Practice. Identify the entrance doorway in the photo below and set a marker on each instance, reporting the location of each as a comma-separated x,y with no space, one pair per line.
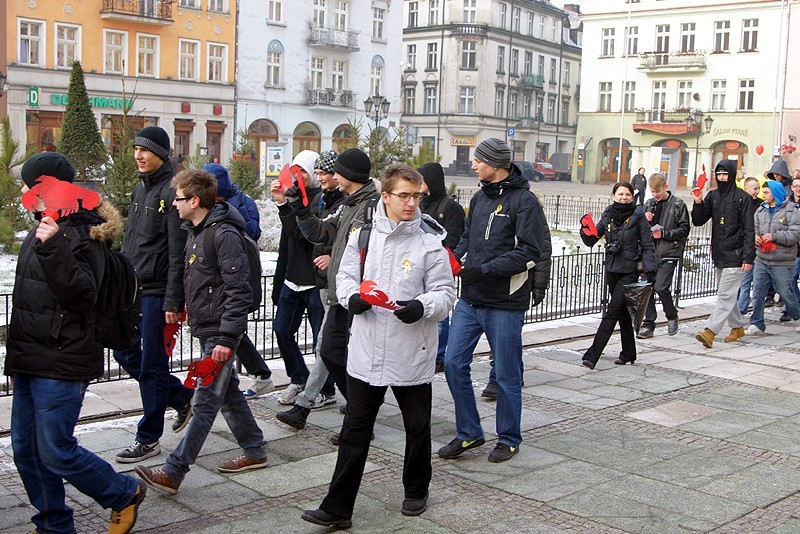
462,160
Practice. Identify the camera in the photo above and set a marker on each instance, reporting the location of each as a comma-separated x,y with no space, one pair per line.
613,248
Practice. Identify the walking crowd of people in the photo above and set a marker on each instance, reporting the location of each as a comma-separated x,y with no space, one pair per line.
375,270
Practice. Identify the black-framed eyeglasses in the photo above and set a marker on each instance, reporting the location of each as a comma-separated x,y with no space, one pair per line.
405,197
181,199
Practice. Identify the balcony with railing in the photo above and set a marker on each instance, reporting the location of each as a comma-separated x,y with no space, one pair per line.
478,30
157,12
529,123
668,121
334,38
329,97
673,61
532,82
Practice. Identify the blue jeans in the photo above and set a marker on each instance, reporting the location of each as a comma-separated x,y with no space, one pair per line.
780,276
744,291
222,394
288,318
43,417
148,363
503,329
444,332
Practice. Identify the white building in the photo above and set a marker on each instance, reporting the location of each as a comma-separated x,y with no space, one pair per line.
650,64
305,68
475,70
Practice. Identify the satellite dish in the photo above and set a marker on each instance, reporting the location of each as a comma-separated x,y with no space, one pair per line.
696,97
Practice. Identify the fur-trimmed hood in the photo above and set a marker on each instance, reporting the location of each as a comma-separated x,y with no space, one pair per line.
112,225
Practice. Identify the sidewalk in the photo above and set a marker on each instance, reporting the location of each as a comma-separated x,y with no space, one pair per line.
686,440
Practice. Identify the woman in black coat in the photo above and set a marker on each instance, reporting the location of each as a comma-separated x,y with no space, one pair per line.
629,241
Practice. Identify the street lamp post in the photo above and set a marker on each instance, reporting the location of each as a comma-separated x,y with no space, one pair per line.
694,121
538,119
380,106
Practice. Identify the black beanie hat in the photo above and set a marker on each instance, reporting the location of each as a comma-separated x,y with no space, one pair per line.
354,165
47,164
155,140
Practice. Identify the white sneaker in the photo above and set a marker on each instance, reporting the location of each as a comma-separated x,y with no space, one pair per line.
260,386
290,394
753,330
323,400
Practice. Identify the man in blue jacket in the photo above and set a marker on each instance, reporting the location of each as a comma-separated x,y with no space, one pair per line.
502,240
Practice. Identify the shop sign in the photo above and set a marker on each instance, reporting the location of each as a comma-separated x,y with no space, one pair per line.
462,141
33,97
61,99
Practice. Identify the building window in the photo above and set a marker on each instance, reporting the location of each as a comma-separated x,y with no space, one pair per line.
632,41
194,4
189,52
512,106
470,11
749,35
564,112
662,40
499,98
413,14
554,28
515,20
275,10
722,36
466,102
539,108
526,105
433,56
515,62
468,53
217,62
340,16
604,103
147,55
541,26
317,72
503,10
540,66
501,60
218,6
377,22
430,100
530,23
567,68
607,48
31,35
687,36
718,90
433,12
551,110
274,58
659,97
747,90
68,45
116,44
553,71
376,75
411,57
319,13
410,96
684,94
630,96
338,75
528,67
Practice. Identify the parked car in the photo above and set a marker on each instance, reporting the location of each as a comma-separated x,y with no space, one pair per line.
542,171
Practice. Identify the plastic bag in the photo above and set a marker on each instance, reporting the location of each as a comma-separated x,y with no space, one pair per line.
637,295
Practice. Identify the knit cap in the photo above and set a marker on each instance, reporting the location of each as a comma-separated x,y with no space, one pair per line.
494,152
47,164
155,140
354,165
326,160
223,179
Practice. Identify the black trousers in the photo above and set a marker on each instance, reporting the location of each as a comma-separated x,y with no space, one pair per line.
333,345
363,404
663,288
616,312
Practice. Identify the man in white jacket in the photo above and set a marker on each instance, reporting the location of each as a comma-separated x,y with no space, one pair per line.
407,261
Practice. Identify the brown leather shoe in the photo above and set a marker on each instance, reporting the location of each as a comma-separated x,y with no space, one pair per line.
122,521
706,337
158,478
241,463
735,334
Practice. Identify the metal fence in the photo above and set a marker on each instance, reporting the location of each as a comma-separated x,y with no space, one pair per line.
577,287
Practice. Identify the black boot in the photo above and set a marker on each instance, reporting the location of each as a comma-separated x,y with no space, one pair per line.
296,417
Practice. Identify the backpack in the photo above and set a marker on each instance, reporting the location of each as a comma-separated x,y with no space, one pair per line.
253,261
365,231
118,308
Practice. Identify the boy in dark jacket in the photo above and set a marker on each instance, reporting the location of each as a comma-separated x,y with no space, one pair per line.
219,297
53,354
732,247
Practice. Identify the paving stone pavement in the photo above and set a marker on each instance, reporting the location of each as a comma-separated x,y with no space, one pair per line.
686,440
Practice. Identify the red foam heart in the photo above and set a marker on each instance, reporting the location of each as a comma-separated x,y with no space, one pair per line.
369,292
171,337
202,372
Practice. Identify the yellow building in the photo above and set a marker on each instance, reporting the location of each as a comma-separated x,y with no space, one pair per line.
177,58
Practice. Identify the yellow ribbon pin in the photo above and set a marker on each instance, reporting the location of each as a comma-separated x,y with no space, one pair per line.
499,208
406,265
192,258
162,207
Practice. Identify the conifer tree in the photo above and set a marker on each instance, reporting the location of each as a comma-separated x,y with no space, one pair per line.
80,141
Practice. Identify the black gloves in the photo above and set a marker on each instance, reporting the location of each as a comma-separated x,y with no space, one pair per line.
357,305
411,312
538,295
292,194
471,275
650,278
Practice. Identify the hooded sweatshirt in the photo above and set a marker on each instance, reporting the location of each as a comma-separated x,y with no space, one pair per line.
782,221
780,171
441,207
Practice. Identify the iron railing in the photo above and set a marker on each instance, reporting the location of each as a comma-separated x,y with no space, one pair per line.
147,9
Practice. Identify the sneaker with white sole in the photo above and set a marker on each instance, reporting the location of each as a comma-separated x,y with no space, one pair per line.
753,330
291,393
260,386
242,463
323,400
138,452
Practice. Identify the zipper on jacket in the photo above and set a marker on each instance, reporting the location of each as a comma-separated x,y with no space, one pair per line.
497,213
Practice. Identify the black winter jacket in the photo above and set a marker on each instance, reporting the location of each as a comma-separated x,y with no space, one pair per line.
675,223
504,235
218,295
446,210
731,214
327,203
154,241
299,251
52,330
635,239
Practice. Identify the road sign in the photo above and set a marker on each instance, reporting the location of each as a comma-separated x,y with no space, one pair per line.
511,132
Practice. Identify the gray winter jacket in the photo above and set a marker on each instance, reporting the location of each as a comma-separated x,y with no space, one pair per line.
784,225
407,261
